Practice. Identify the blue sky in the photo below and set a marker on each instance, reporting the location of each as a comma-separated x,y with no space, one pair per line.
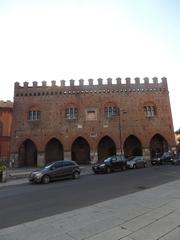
46,40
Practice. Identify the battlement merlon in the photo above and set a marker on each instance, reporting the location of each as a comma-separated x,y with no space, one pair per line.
137,84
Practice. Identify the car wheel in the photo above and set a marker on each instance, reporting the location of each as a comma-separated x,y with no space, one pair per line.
45,179
108,170
76,175
134,166
123,168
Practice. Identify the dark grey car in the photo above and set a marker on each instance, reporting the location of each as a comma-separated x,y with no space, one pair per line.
56,170
110,164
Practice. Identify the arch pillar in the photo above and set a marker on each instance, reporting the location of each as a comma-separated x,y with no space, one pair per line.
94,156
41,159
146,154
67,155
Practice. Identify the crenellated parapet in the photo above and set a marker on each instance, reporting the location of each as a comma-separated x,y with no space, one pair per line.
6,105
128,85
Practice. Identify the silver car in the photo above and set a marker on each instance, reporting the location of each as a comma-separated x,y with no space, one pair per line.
136,162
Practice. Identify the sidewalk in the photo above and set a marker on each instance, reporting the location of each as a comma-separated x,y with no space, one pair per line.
152,214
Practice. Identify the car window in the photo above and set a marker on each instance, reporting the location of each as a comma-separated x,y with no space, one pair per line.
119,158
49,165
58,164
68,163
114,159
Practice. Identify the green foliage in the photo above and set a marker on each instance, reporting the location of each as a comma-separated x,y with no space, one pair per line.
2,167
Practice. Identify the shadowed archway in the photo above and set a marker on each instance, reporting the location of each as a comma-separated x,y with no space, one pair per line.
80,151
132,146
106,148
54,151
158,145
27,154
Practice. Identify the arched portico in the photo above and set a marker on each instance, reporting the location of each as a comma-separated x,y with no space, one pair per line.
54,151
132,146
27,154
106,148
158,145
80,151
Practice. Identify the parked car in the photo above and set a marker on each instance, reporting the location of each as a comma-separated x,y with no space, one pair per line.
56,170
136,162
110,164
165,158
176,160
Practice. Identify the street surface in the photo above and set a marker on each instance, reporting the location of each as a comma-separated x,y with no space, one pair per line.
27,202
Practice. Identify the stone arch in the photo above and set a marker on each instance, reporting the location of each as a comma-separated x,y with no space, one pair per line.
27,154
80,151
132,146
54,151
158,145
106,148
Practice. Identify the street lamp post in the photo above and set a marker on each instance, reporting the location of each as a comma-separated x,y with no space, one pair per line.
119,111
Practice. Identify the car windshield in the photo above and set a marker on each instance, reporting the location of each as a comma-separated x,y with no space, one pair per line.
106,160
49,165
166,154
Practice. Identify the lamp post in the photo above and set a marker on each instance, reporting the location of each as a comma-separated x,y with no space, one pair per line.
119,111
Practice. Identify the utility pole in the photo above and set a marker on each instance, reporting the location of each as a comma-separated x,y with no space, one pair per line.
119,111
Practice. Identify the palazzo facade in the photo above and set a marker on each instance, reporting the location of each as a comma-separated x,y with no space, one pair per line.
88,122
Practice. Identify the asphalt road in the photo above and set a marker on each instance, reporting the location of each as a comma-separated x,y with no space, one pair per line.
26,202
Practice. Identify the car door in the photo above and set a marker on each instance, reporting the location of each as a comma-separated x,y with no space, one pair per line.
68,168
57,170
139,162
114,163
119,162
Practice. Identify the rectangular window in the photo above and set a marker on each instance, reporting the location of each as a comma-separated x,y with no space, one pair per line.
91,114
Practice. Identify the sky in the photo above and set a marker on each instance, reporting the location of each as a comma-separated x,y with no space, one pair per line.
74,39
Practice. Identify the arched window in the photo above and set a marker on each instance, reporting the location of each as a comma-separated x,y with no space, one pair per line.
34,114
110,111
71,112
149,111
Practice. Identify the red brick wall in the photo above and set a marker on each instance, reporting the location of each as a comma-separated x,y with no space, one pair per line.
51,101
5,128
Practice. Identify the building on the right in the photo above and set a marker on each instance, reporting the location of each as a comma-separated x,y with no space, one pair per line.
177,137
89,122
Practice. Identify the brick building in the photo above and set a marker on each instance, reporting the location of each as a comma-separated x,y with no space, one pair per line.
177,137
89,122
6,109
